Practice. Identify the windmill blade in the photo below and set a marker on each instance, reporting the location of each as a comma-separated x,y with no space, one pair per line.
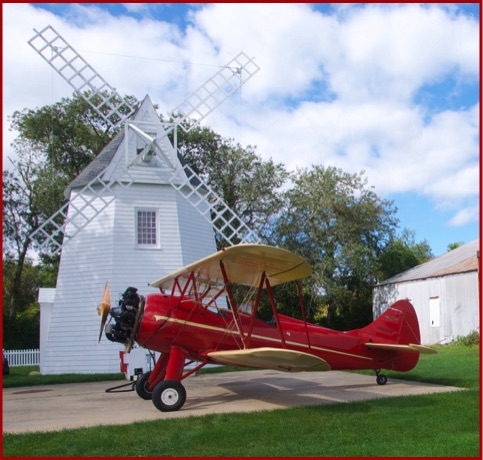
215,90
224,220
91,200
84,206
85,81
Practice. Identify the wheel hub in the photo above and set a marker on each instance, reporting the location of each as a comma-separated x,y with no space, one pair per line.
169,396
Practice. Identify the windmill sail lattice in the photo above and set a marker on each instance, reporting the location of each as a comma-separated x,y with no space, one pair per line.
75,70
92,199
215,90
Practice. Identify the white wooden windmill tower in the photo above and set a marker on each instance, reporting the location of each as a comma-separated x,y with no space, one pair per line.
134,214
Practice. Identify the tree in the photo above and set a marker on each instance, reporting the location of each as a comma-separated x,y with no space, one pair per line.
53,145
403,253
340,227
20,218
69,133
455,245
249,185
22,331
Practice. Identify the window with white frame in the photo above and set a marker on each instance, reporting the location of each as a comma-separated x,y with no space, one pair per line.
147,228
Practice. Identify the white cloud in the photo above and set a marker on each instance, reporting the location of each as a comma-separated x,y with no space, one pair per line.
338,90
465,216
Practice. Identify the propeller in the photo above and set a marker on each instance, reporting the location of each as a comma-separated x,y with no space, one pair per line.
104,308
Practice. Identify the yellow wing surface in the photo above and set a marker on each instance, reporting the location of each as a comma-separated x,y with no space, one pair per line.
271,358
397,347
244,264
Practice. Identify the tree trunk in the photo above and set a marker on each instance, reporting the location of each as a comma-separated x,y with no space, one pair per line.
17,280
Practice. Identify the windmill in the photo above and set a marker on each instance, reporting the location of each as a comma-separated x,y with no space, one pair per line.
137,210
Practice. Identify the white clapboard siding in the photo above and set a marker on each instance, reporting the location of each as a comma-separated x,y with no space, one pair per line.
106,250
458,297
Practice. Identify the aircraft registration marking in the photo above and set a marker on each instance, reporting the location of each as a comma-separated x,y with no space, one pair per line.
270,339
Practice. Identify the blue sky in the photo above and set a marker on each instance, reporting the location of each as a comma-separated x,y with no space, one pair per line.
391,89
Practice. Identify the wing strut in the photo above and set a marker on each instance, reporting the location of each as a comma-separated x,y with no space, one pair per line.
275,313
232,302
255,309
302,309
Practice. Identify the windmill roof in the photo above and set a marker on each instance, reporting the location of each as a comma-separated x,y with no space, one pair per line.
460,260
98,164
105,157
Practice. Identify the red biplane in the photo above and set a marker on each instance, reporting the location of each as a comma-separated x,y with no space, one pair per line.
195,318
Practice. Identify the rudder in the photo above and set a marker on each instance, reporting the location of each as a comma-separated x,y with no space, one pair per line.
396,326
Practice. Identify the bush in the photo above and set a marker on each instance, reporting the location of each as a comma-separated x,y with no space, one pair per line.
473,338
22,332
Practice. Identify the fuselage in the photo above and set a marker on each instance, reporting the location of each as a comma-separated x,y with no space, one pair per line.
169,321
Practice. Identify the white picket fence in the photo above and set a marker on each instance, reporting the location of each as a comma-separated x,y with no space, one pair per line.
22,357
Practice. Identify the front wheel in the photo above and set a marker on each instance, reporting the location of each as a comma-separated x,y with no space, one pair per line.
142,387
169,396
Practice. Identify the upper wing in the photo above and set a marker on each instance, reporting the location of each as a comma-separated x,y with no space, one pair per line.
397,347
271,358
244,264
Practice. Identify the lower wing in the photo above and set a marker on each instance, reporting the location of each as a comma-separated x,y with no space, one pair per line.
270,358
397,347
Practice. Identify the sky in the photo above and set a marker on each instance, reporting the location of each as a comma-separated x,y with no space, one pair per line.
388,89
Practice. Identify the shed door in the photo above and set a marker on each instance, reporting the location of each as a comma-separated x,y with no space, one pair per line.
434,312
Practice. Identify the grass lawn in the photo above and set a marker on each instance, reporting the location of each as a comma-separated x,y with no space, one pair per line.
437,425
19,377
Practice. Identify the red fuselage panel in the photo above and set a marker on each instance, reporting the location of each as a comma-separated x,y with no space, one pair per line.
169,320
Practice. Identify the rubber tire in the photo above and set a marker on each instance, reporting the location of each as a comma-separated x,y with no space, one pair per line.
381,379
169,396
142,387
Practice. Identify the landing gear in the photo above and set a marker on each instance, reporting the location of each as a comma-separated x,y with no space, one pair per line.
381,379
169,396
142,387
162,385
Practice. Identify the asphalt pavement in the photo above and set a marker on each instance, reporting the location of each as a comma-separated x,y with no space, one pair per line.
59,407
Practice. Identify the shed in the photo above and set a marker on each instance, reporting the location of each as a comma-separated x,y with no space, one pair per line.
444,292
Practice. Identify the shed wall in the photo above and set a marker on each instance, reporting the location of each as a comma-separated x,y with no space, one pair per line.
458,304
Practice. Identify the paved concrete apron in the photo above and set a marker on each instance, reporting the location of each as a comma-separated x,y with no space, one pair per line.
58,407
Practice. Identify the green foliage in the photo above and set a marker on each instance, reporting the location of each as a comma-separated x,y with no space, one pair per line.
22,331
455,245
69,133
470,340
403,253
54,144
340,227
249,185
33,277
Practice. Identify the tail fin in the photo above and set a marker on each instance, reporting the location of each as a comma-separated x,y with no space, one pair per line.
394,337
398,324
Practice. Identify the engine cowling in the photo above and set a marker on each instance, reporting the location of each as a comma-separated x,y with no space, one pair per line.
123,316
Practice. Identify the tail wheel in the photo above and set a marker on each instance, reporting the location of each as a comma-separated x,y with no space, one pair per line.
169,396
381,379
142,387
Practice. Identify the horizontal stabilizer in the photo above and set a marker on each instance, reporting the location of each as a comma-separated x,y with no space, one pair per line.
271,358
399,347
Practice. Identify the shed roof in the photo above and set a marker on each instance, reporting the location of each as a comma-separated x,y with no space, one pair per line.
460,260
